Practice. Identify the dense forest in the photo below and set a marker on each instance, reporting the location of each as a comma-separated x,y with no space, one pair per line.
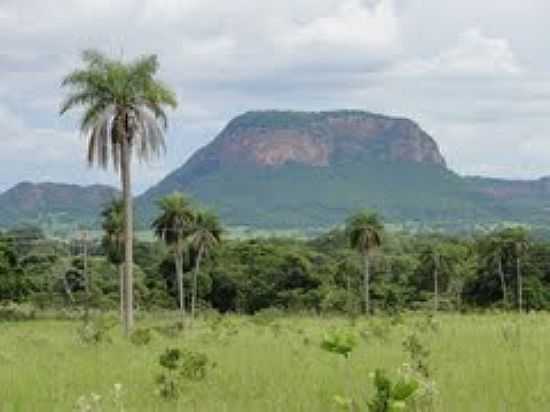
505,269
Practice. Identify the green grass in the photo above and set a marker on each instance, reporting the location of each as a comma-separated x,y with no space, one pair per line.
480,363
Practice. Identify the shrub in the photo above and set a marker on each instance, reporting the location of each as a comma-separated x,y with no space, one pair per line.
141,336
180,366
392,397
96,330
13,312
418,354
339,342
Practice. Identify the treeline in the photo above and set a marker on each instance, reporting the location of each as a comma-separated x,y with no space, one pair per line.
506,269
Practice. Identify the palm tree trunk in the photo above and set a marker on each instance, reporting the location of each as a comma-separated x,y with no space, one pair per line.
366,283
125,168
179,276
121,280
502,282
195,275
436,289
348,295
520,285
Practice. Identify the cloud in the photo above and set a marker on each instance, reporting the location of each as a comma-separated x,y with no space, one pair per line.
474,55
472,73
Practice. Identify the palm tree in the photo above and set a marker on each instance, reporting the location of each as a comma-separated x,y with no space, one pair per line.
123,118
205,235
172,226
520,247
495,252
516,243
431,258
113,240
364,232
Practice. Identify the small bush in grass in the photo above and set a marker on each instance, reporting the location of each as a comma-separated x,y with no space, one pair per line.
340,342
180,366
172,330
16,312
390,396
97,403
418,354
96,330
141,337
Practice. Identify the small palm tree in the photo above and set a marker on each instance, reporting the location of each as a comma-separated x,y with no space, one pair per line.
205,235
113,240
123,118
365,234
172,226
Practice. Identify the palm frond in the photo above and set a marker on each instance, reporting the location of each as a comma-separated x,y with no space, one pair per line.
108,90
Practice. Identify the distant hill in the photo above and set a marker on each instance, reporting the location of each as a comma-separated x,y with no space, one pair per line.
53,203
296,169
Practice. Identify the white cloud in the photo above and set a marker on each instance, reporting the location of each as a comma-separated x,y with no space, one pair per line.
482,92
474,55
352,26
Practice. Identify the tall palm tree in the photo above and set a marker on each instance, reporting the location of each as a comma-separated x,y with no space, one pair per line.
516,242
520,247
431,258
113,240
172,226
205,235
439,260
494,251
365,235
123,118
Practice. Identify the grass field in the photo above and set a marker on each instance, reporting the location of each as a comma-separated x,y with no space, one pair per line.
496,362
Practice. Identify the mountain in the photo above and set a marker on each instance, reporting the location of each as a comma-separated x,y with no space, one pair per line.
53,203
278,169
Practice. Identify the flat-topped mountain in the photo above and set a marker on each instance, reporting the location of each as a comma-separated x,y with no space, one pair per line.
272,138
311,169
277,169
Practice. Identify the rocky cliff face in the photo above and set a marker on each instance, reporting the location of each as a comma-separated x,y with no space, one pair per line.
273,139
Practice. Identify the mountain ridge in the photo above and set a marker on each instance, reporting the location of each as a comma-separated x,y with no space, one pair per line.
310,169
373,156
28,202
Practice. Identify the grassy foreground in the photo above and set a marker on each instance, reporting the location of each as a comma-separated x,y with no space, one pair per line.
478,362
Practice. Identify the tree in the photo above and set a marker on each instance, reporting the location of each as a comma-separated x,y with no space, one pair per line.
365,235
494,252
113,240
123,118
446,260
172,226
516,243
433,259
205,235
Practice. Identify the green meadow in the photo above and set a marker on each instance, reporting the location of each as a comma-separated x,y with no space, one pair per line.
489,362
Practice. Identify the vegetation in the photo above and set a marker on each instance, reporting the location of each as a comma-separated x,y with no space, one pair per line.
173,226
123,118
323,275
365,234
272,318
485,362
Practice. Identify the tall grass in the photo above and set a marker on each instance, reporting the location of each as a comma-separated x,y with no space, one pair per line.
479,363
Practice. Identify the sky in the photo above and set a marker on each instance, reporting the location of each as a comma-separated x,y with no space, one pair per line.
475,74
